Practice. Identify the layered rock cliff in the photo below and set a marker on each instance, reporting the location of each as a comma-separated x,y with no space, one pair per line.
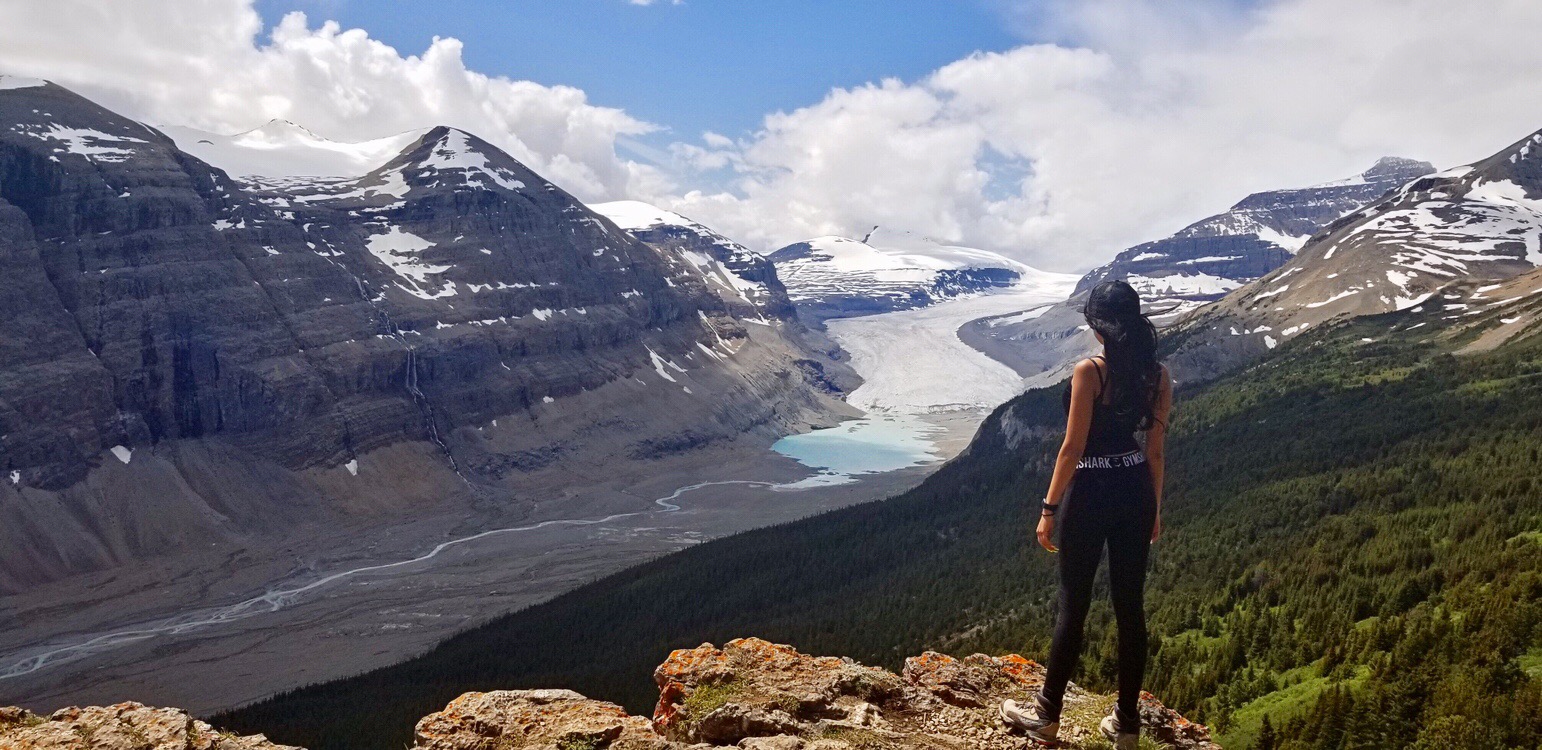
191,357
749,694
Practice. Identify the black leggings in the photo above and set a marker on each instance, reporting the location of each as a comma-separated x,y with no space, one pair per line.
1116,506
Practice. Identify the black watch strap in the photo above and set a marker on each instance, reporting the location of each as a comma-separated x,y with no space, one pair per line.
1048,509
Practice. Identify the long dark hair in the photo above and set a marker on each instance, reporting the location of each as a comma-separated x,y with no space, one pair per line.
1129,345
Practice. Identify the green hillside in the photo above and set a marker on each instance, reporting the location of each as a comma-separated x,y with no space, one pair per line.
1353,553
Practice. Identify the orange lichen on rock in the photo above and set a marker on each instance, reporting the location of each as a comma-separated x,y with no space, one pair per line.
1025,671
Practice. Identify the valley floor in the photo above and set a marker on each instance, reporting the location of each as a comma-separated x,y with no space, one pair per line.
163,635
248,623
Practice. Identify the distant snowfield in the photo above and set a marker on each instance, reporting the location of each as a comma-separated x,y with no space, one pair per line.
914,362
284,149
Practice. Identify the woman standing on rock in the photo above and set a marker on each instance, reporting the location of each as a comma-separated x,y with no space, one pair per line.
1115,500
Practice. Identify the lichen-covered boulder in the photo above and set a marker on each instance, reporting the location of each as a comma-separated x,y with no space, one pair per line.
754,688
970,682
125,726
537,720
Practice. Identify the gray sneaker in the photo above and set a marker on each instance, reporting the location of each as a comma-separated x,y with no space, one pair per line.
1122,740
1031,720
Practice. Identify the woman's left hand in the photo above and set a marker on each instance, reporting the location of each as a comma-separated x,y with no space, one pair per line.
1046,531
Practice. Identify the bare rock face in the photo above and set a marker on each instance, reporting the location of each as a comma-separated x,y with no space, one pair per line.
757,695
126,726
747,278
157,308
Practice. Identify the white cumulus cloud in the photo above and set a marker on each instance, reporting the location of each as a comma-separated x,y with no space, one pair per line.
1142,116
1149,115
210,64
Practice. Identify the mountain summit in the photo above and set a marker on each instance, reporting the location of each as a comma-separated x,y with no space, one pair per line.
281,148
739,271
1197,265
1478,221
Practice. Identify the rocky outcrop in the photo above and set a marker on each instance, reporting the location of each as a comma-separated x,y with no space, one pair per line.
757,695
749,694
125,726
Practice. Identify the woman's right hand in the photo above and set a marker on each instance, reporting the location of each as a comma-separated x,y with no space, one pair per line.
1046,531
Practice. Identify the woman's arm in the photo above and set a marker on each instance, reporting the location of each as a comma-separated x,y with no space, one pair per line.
1084,392
1156,445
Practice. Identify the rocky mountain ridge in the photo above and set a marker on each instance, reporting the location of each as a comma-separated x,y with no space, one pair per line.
743,274
1191,268
195,357
746,280
749,694
1481,221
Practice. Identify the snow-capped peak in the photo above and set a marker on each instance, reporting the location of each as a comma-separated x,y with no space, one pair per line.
277,130
923,251
1394,168
280,148
634,215
19,82
455,151
637,216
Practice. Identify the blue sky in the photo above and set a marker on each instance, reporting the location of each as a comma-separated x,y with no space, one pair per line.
718,65
1090,125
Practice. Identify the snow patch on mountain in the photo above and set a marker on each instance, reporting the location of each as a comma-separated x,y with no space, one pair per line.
1180,284
454,152
1292,243
630,215
283,149
402,253
19,82
1196,266
92,144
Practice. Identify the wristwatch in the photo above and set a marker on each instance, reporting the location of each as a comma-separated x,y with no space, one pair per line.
1047,508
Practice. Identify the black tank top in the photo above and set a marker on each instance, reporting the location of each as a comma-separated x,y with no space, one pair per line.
1113,429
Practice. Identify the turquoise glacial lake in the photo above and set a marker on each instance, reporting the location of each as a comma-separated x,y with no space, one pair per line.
874,444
